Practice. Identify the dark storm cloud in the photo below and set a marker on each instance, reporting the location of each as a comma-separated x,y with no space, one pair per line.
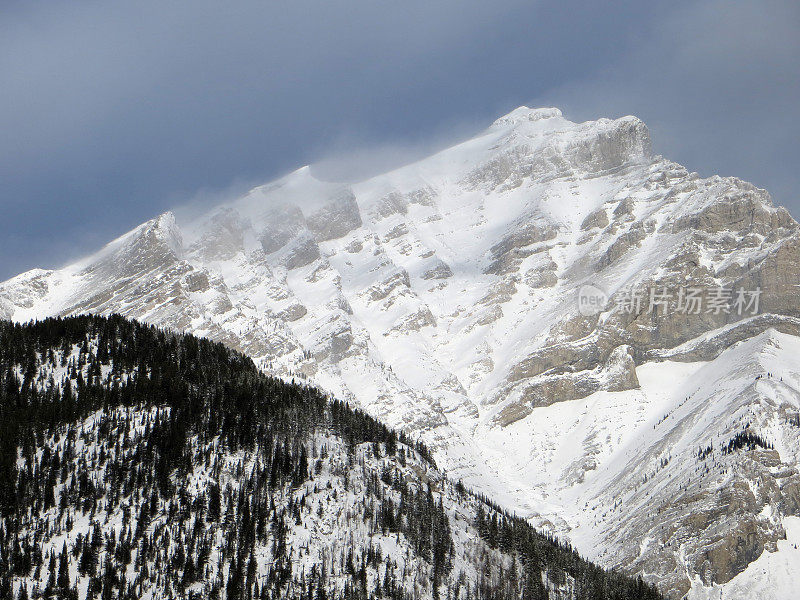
112,112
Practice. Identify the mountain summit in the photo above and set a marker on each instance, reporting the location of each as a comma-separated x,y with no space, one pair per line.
520,302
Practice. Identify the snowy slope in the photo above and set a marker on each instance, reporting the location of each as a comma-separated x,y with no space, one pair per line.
167,488
442,298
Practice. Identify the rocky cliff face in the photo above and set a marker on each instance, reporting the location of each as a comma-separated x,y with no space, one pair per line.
444,299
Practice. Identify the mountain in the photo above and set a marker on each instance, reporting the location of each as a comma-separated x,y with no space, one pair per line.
575,327
142,464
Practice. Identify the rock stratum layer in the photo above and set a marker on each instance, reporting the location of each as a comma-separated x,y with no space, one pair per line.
443,299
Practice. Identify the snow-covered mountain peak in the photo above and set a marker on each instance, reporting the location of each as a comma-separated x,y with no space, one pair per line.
547,128
524,114
442,297
165,229
160,232
155,243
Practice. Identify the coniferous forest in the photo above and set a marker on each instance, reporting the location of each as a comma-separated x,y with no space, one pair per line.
138,463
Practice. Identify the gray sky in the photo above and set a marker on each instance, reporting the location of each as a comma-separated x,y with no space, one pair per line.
112,112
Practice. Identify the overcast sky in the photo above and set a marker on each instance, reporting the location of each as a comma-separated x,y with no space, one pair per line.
112,112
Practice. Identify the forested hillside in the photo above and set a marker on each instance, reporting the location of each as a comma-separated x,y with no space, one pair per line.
135,463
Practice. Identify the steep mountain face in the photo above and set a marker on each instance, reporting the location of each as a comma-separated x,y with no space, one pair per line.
444,298
139,464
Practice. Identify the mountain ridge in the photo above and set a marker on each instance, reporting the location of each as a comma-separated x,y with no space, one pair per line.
441,297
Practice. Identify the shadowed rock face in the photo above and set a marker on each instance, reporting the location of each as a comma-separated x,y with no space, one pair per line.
302,251
746,210
598,219
281,225
439,270
720,530
442,298
223,238
702,250
508,253
392,204
625,141
600,147
335,219
617,374
156,245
